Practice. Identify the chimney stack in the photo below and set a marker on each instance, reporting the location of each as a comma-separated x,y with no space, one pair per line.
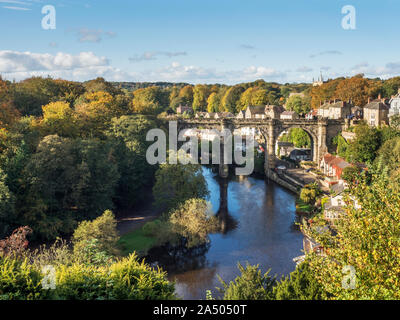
380,97
369,100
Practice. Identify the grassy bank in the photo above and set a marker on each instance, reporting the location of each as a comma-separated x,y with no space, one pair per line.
136,241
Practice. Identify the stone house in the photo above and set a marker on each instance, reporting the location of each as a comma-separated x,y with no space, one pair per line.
241,114
255,112
273,111
357,113
300,155
333,166
312,115
394,105
209,115
289,115
182,109
376,112
200,114
335,109
220,115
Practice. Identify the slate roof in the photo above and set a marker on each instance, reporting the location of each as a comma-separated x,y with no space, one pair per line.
256,109
377,105
288,113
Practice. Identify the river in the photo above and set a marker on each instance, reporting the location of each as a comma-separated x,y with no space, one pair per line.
260,228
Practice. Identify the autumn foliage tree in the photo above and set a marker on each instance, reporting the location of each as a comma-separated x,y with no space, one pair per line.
367,239
8,113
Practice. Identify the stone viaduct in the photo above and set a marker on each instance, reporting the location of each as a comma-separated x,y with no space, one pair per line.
321,132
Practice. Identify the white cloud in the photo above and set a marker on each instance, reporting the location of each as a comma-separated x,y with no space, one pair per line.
95,36
327,52
14,61
391,69
152,55
16,8
304,69
83,66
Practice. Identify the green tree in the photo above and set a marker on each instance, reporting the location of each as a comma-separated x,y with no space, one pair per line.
33,93
103,230
364,147
193,220
230,101
59,118
7,200
200,96
100,84
301,105
388,158
176,183
301,284
69,180
128,134
367,239
151,100
250,285
213,102
186,93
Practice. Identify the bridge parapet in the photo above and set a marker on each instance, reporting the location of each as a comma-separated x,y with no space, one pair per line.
322,131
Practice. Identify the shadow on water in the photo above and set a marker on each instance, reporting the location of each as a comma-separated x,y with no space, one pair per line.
258,226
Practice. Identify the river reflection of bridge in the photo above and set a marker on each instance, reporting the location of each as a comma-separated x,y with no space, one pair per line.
228,223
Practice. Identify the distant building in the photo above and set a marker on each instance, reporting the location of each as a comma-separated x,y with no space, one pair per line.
182,109
394,105
255,112
335,109
334,207
319,81
313,114
300,155
241,114
200,114
376,112
220,115
273,111
284,148
209,115
357,113
333,166
289,115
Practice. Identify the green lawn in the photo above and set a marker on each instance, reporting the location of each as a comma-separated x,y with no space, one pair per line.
136,241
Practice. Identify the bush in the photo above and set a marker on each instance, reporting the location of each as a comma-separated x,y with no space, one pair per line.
127,279
20,281
310,193
300,285
250,285
103,229
152,228
176,183
193,220
16,244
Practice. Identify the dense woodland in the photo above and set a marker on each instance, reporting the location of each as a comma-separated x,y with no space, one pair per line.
71,152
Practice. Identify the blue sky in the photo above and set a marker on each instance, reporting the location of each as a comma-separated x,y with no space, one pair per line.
224,41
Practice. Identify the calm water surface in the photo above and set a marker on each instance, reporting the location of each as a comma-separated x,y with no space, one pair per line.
259,228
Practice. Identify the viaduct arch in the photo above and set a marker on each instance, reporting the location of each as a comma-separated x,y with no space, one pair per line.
321,131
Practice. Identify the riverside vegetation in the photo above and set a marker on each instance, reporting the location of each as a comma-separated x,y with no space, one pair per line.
73,153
